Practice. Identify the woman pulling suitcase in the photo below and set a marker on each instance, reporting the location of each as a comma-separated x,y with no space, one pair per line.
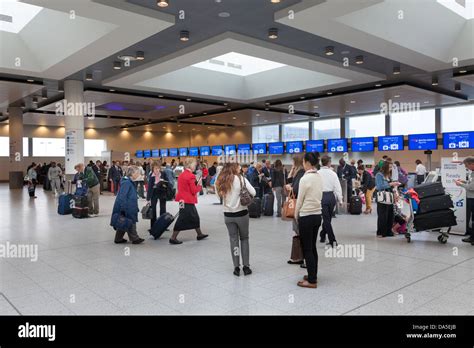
156,191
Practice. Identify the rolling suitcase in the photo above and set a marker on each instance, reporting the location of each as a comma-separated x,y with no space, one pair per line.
81,207
268,202
429,190
434,203
435,219
255,208
65,201
355,205
161,224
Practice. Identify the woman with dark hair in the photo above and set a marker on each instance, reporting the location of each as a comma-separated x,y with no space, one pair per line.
230,184
278,181
308,212
188,189
156,191
292,187
385,214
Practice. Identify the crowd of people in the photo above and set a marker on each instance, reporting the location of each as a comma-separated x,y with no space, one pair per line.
312,182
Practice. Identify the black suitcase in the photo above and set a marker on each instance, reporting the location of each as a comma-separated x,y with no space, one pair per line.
355,205
161,224
81,207
430,189
255,208
435,203
268,203
435,219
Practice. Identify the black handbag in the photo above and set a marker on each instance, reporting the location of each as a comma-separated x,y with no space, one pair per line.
146,212
245,197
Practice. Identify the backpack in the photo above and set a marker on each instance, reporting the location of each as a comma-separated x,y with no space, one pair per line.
402,176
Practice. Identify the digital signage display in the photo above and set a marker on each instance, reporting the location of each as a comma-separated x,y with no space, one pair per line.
260,148
173,152
294,147
315,145
275,148
391,143
164,153
365,144
183,151
458,140
229,149
337,145
139,154
422,141
193,151
151,153
216,150
244,148
205,151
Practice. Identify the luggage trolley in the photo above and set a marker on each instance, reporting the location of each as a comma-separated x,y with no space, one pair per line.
408,209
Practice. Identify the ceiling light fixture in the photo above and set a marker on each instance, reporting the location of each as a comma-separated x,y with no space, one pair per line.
160,96
89,77
188,99
111,90
162,3
316,107
359,60
140,55
302,97
117,65
234,118
275,1
463,71
434,81
273,33
353,101
396,70
44,94
378,85
30,80
396,96
329,50
184,35
329,93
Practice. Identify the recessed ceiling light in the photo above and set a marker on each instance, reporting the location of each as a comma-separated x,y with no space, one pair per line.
396,96
163,127
89,77
234,118
111,90
204,113
348,111
224,14
273,33
194,129
457,86
267,103
302,97
184,35
396,70
426,101
225,104
140,55
353,101
316,107
329,93
30,80
359,60
213,120
188,99
463,71
329,50
244,123
162,3
378,85
257,115
434,81
160,96
267,109
229,109
275,1
117,65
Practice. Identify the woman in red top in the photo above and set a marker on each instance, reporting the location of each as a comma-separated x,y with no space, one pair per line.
188,188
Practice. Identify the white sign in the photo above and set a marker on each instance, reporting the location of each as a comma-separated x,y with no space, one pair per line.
450,172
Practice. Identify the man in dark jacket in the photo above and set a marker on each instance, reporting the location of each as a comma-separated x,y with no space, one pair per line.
115,175
346,172
213,169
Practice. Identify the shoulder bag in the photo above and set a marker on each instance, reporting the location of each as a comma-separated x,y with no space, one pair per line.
288,210
245,197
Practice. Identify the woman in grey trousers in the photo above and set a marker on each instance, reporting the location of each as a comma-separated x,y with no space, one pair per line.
229,185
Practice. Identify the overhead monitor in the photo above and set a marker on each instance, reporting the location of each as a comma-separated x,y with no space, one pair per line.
391,143
365,144
315,145
183,151
337,145
260,148
193,151
164,153
173,152
458,140
205,151
146,153
244,148
293,147
216,150
423,141
276,148
139,154
229,149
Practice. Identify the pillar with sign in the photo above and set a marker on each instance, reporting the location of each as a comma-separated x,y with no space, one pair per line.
74,113
15,133
453,169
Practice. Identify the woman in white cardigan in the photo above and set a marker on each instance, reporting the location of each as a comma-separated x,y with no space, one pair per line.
229,185
308,214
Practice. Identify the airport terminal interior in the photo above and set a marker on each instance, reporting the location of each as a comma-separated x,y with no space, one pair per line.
142,89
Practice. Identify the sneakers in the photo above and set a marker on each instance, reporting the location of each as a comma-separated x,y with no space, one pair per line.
247,270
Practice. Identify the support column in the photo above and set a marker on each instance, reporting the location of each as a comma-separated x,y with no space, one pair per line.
74,112
15,133
388,131
438,121
343,127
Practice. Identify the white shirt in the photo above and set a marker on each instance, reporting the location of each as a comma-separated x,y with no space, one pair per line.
331,182
310,194
420,169
231,202
394,172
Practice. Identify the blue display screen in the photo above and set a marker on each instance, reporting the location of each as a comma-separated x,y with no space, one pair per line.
154,153
173,152
458,140
337,145
139,154
193,151
391,143
362,144
183,151
294,147
229,149
315,145
260,148
243,148
216,150
275,148
205,151
164,153
422,141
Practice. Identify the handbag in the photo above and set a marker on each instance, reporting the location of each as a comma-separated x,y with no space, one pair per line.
288,210
296,249
146,212
245,197
121,222
385,197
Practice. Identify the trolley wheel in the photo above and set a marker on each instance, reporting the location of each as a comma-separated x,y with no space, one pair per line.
442,239
408,237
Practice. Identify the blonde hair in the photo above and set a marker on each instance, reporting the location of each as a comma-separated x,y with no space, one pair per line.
188,162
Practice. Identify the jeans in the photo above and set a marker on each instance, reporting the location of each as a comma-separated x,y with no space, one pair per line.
279,198
93,194
238,228
328,203
308,228
384,219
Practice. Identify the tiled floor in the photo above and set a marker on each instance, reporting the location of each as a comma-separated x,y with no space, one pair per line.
81,271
